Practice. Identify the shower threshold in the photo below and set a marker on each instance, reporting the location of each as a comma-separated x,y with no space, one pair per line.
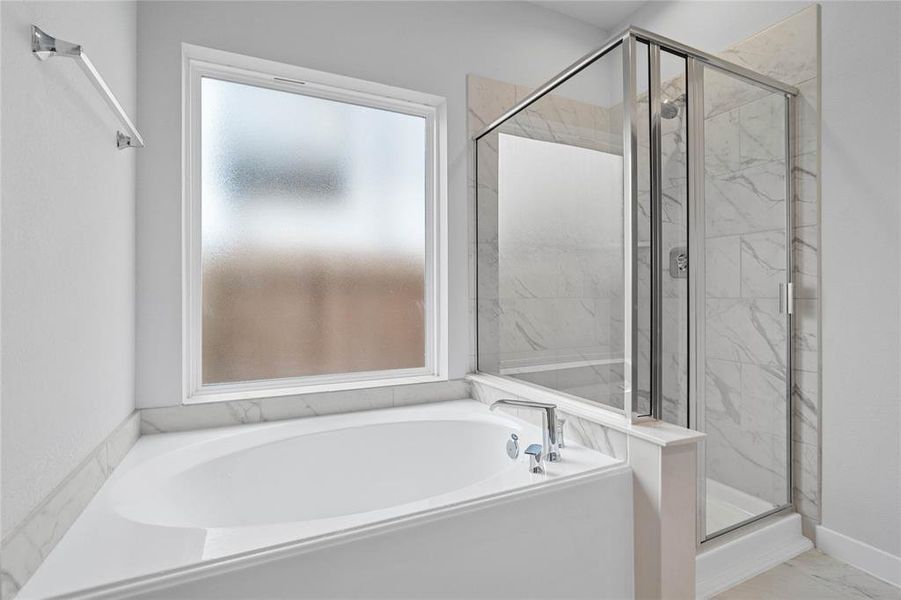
728,506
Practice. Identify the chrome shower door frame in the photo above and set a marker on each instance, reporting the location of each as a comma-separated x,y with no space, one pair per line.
696,62
697,273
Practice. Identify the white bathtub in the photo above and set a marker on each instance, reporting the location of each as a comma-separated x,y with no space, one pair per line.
410,502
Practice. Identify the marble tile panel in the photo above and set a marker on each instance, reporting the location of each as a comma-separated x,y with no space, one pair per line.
805,488
489,327
25,547
674,159
806,453
608,373
722,391
487,189
487,99
528,270
748,331
674,330
747,461
547,379
805,337
486,394
237,412
807,117
787,51
489,280
805,407
330,403
597,393
595,436
722,134
121,440
643,169
806,261
764,395
548,324
762,124
674,402
675,211
746,201
724,92
806,191
763,264
643,224
199,416
419,393
723,267
606,280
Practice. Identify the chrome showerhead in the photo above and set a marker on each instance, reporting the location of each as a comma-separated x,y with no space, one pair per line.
670,108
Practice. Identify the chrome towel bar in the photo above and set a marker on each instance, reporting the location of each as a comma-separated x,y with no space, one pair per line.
45,46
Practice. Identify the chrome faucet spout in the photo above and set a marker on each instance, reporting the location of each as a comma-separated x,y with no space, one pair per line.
550,432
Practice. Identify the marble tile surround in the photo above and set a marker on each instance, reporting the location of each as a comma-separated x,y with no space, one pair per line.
575,429
549,292
743,174
238,412
26,546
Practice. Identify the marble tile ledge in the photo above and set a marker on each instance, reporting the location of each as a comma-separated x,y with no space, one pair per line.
238,412
29,543
657,432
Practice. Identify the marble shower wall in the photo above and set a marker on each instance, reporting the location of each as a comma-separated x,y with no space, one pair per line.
746,338
745,239
550,285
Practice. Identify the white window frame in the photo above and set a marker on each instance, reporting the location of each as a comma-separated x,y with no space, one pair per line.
198,62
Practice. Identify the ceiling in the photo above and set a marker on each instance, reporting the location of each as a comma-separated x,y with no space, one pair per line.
604,14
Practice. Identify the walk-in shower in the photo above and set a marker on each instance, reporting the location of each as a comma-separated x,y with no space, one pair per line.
634,250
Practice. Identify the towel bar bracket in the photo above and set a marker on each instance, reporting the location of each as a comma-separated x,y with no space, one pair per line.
44,46
125,141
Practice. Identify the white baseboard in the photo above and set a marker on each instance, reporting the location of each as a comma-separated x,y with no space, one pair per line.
874,561
730,563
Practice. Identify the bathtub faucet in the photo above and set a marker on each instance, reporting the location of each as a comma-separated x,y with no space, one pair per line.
552,441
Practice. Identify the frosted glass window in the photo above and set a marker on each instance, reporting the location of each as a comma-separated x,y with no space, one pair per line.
313,235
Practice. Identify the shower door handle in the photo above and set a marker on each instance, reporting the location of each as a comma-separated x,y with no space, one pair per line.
786,298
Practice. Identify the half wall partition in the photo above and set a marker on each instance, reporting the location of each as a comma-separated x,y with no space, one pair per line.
633,250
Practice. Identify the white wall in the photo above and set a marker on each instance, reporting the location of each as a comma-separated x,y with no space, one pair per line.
861,272
67,246
426,46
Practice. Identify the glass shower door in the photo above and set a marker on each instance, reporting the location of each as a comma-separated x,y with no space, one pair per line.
743,303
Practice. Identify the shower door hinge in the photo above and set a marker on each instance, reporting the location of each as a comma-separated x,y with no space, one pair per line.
787,298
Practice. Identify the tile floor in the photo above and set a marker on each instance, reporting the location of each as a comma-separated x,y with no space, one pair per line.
813,575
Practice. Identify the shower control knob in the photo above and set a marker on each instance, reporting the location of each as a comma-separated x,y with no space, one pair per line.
678,263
